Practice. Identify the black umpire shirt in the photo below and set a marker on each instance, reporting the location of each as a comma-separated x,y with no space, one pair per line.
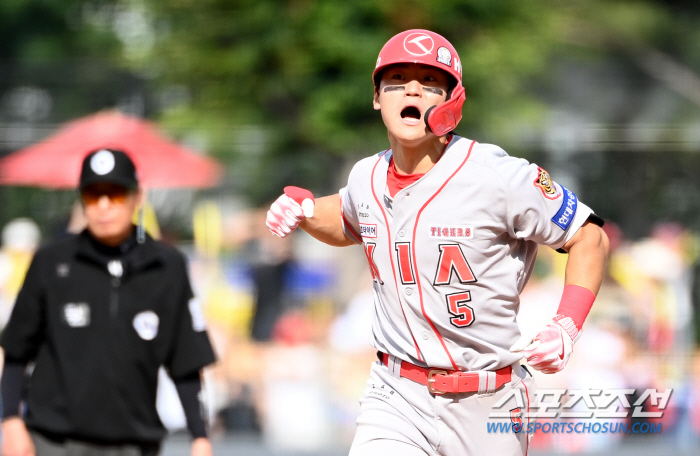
98,322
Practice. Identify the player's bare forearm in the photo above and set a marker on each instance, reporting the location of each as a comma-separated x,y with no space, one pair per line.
326,225
588,252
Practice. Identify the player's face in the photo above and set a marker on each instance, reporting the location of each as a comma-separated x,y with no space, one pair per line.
109,210
405,92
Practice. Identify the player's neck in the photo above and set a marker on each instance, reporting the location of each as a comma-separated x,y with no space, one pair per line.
417,158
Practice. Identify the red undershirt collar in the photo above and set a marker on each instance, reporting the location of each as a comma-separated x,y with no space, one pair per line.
395,182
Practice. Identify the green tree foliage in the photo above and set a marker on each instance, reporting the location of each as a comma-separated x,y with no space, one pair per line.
48,48
281,88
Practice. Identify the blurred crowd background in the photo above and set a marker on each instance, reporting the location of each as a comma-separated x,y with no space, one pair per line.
604,94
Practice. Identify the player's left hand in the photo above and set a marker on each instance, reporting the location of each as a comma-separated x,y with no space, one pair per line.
549,351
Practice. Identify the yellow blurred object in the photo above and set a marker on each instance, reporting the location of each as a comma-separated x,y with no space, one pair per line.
208,229
19,262
626,272
229,309
691,248
150,220
20,239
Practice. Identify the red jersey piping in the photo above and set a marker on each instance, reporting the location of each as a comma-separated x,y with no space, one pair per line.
391,254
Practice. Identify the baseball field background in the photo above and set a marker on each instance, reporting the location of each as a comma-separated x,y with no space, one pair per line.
603,94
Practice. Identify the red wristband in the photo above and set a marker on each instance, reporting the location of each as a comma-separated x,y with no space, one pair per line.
576,302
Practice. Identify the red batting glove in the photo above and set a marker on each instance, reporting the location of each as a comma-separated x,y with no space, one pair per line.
551,348
289,209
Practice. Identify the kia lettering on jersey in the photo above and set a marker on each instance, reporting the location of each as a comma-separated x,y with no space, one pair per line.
451,263
567,211
369,253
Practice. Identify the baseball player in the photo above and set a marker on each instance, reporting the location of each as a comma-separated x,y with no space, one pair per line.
450,228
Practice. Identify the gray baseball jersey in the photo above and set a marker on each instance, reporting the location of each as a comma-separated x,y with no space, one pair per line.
451,252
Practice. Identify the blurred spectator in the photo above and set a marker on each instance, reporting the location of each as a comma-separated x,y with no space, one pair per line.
270,260
295,409
657,272
351,331
20,238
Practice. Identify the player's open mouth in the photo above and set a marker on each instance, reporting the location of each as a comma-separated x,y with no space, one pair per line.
411,115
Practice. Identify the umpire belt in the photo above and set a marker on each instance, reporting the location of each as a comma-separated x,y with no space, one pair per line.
442,381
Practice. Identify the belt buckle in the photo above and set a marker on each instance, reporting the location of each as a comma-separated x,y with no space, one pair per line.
432,373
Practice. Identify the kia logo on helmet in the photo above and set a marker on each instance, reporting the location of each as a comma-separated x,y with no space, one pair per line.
418,44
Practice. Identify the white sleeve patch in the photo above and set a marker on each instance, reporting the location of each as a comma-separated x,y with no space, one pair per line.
199,323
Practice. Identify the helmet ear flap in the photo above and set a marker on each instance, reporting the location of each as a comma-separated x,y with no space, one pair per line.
443,118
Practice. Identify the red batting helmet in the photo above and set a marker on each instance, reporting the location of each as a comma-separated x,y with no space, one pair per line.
428,48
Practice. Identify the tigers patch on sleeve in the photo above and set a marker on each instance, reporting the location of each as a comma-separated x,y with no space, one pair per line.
546,185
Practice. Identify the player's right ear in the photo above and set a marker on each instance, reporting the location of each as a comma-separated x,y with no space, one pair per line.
376,104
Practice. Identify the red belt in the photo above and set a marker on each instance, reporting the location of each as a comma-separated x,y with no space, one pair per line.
441,381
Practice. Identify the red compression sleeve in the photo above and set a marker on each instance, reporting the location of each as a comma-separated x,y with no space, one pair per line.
576,302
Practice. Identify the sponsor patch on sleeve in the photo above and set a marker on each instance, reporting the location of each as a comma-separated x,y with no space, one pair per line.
368,230
567,211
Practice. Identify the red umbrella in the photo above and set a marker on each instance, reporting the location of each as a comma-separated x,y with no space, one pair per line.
160,162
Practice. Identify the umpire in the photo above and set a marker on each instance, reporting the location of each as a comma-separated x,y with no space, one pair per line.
99,313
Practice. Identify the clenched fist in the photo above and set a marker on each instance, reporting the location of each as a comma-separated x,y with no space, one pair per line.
289,209
551,348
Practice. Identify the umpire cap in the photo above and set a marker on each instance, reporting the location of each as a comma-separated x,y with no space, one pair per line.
108,166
